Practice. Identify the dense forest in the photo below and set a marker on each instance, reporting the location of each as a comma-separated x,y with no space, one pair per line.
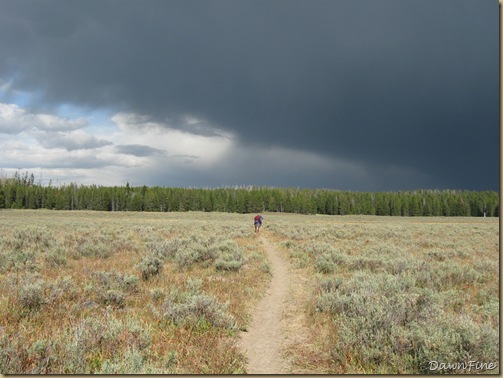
21,192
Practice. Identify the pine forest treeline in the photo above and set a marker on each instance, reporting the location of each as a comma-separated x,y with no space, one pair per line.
21,192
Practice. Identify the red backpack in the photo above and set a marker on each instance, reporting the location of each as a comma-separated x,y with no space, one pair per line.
257,218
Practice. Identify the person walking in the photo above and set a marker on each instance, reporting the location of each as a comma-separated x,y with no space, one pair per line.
257,221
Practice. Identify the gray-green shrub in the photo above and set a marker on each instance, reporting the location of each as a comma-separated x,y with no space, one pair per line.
198,309
94,248
231,257
328,260
18,260
150,266
193,308
56,257
114,298
386,321
196,253
115,281
131,362
31,296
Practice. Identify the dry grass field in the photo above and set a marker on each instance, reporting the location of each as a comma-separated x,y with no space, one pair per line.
105,292
393,295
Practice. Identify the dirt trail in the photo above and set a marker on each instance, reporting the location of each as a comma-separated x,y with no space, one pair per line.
264,342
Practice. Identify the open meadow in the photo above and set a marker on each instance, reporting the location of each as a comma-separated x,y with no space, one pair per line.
136,292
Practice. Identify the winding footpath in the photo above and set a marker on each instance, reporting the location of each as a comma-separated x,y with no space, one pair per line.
264,342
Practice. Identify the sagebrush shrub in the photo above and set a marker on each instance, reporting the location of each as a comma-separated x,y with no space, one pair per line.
228,264
373,264
11,360
199,308
99,337
121,245
157,294
42,356
56,257
324,264
63,287
40,238
166,249
265,267
31,296
131,362
328,260
18,260
116,281
192,308
300,259
231,256
288,244
385,320
150,266
114,298
93,248
330,284
195,253
454,338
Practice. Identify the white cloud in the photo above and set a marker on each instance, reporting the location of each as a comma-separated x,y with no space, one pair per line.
25,156
139,130
47,141
134,147
14,120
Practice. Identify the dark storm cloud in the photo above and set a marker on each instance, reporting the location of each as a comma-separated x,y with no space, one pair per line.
382,83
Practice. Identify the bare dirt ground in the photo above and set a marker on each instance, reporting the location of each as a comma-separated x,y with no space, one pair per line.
265,342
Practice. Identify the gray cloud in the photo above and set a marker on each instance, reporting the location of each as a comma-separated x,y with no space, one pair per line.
410,84
138,150
70,141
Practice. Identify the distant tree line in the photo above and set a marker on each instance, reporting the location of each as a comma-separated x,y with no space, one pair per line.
21,192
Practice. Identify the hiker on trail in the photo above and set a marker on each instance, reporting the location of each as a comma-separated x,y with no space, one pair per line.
257,221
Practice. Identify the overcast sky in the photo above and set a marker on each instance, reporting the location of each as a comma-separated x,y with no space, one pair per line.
364,95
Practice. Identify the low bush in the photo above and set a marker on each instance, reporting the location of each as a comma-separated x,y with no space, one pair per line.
385,320
300,259
92,341
31,296
191,308
196,253
131,362
56,257
166,249
24,260
288,244
231,256
94,248
150,266
328,260
114,298
63,287
157,294
198,310
115,281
